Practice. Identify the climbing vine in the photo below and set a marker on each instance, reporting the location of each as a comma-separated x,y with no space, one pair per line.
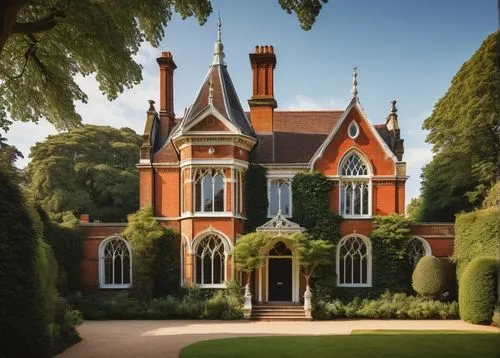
256,197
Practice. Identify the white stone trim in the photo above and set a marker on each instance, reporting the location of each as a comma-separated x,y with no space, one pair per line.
101,267
368,244
209,162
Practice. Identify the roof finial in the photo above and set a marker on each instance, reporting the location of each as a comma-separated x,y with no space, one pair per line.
393,106
218,47
354,90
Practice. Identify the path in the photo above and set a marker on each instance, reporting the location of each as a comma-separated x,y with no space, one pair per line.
166,338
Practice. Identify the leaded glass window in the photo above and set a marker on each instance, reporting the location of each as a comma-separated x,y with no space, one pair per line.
115,261
354,262
210,261
355,193
280,197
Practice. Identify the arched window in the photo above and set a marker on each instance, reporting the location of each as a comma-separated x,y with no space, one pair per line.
280,197
355,187
210,264
354,261
209,190
416,249
115,263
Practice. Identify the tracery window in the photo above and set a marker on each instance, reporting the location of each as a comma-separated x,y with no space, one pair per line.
209,190
115,263
416,249
355,187
280,197
354,261
210,261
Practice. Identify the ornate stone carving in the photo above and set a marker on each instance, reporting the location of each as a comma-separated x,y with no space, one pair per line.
280,224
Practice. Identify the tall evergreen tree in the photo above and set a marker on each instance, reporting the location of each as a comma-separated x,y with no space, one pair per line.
465,133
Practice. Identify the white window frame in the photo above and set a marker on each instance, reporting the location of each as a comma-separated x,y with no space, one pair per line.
102,267
425,244
288,181
368,245
225,246
198,174
343,179
237,191
355,124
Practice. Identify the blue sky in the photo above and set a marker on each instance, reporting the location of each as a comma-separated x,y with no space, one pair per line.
405,50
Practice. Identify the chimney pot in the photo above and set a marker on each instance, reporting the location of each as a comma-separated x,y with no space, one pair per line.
84,218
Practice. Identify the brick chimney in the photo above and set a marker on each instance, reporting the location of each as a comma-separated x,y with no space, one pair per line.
84,218
167,115
262,103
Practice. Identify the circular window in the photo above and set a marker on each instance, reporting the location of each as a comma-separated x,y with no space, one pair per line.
353,130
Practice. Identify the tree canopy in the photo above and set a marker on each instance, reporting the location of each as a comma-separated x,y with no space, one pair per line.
90,169
465,133
45,43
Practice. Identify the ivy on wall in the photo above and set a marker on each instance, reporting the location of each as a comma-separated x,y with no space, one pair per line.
256,197
311,207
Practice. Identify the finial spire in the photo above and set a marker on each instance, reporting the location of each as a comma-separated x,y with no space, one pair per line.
218,47
393,106
354,90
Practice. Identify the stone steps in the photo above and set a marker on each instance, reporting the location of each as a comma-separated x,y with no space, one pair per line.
278,313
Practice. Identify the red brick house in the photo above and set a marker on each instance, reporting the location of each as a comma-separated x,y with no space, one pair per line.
192,169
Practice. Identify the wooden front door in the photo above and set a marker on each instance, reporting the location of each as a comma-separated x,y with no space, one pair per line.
280,279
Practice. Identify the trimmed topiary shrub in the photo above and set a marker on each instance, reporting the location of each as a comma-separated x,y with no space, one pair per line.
429,277
478,290
476,234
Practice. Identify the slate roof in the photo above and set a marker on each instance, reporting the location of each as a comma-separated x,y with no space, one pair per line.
296,136
224,99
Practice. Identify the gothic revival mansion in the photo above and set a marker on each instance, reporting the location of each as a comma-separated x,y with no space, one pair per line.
192,171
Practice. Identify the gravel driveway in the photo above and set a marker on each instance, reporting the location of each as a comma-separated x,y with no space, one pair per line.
165,339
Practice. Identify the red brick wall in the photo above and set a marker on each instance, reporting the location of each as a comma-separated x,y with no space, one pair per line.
440,237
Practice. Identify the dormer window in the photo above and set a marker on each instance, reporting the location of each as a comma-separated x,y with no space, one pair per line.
280,197
355,187
209,190
353,130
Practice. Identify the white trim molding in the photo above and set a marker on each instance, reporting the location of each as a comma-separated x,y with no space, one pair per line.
102,266
366,255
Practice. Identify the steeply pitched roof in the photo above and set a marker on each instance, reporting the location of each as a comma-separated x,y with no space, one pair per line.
297,136
218,91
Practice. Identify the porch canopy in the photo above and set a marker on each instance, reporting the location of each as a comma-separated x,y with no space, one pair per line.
280,225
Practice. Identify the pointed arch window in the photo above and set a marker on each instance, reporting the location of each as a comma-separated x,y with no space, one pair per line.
416,249
209,190
280,197
115,263
210,263
354,262
355,187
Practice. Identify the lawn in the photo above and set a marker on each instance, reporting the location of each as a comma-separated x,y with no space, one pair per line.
365,344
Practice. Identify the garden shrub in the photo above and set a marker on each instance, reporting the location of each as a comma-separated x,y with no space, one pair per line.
478,290
23,328
386,306
429,277
476,234
255,196
154,253
63,328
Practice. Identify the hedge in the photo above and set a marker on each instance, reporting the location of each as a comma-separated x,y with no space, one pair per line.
478,290
476,234
429,277
23,328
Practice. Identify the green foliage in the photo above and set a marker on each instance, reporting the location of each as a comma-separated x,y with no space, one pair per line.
67,246
387,306
306,11
476,234
90,169
248,253
391,267
194,304
154,255
63,328
8,157
21,310
255,196
464,128
478,290
493,197
311,206
413,209
312,254
429,277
